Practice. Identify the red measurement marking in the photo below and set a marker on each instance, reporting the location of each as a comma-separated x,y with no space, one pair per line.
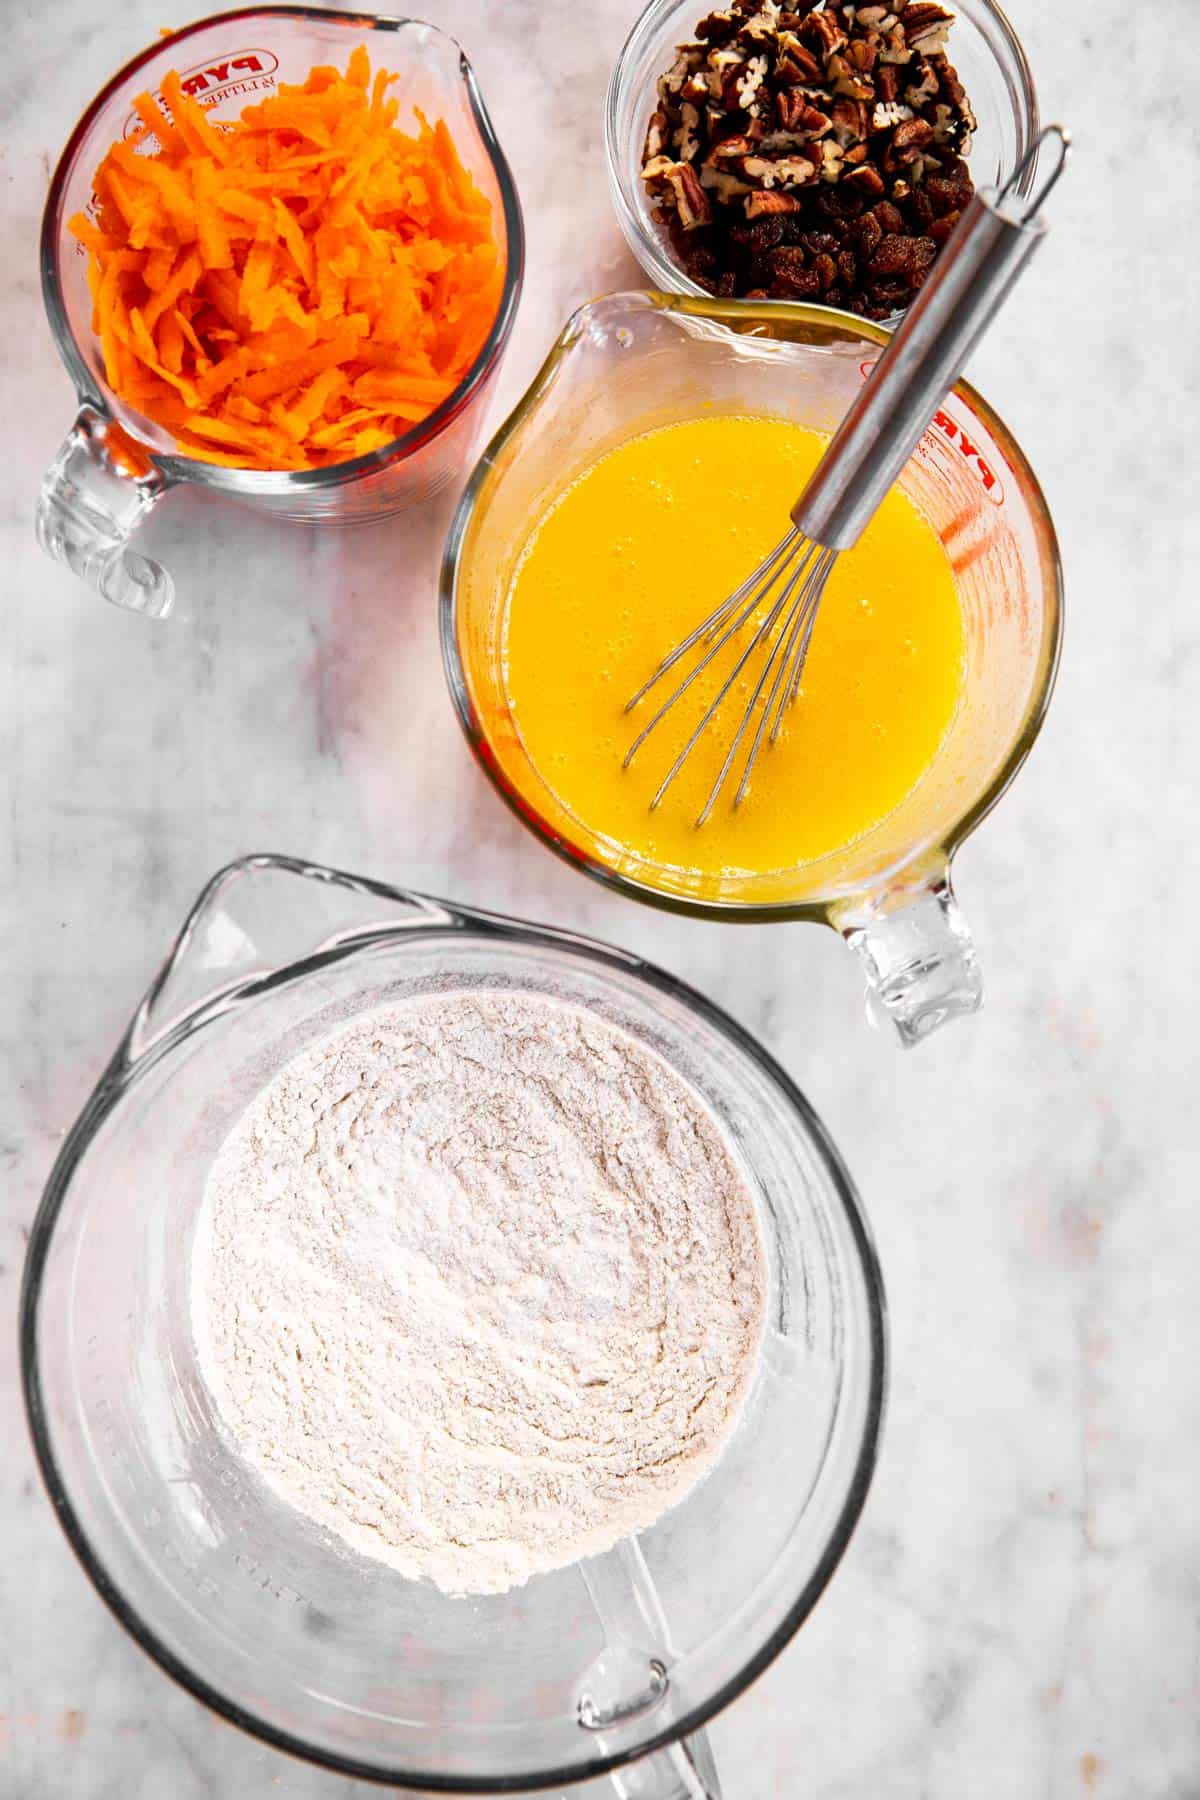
971,554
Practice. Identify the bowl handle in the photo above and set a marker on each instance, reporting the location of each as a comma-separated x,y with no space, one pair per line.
631,1677
683,1771
95,494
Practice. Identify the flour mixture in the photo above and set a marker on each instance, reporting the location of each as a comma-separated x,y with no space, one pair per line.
478,1285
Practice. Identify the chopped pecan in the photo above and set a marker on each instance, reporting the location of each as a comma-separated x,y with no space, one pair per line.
925,86
950,87
692,205
658,134
758,205
853,87
832,160
948,127
689,58
889,113
796,113
779,172
894,48
864,180
797,65
823,35
912,132
724,184
687,137
850,121
750,82
729,149
718,28
926,25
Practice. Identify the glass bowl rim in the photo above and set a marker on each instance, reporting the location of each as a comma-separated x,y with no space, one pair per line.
263,482
648,248
771,314
123,1072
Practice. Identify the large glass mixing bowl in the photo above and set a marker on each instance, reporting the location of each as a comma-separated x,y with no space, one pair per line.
275,1624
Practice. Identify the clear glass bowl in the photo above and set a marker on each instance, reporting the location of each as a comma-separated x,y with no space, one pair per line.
267,1618
115,463
983,47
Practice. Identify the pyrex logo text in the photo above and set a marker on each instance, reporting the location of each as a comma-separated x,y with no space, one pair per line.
247,72
954,433
208,76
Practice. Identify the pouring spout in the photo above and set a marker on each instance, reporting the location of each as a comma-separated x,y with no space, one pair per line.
257,919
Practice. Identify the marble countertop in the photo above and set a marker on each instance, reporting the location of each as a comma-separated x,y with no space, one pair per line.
1019,1613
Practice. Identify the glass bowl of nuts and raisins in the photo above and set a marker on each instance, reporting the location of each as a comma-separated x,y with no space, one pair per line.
811,149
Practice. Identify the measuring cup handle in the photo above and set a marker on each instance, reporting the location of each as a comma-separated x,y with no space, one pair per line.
95,494
917,950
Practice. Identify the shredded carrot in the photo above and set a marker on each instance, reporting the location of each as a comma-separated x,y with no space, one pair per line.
294,288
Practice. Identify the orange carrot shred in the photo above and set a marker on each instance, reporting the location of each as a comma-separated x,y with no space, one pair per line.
156,122
295,287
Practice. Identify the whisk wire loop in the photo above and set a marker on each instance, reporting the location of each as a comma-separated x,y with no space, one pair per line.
788,605
763,630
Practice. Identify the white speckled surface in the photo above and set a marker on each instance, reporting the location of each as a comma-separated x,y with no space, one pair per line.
1019,1614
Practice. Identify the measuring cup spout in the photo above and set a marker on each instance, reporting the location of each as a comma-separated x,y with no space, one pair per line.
917,951
97,491
261,917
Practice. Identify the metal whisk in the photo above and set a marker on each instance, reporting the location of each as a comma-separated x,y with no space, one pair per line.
778,602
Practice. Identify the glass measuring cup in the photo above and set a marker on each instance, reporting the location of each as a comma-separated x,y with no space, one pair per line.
116,464
617,1660
631,361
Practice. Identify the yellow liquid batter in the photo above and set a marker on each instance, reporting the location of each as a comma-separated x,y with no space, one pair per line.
631,557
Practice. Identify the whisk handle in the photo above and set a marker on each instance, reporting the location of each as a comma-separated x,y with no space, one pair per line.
994,240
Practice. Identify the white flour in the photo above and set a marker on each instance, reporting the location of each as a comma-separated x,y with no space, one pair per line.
478,1285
